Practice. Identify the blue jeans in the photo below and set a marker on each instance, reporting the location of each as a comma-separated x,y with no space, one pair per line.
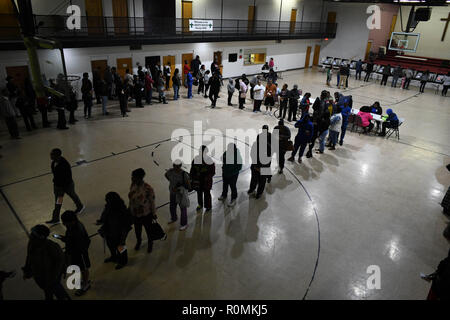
175,92
190,90
104,102
322,138
343,130
333,137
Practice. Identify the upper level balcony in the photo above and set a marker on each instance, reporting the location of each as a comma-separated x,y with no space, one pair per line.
112,31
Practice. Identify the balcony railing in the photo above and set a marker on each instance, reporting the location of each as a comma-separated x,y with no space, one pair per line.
116,30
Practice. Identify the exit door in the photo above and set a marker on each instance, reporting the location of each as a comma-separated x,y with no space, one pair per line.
122,65
170,59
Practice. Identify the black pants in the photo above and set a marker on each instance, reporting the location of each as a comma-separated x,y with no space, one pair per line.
406,84
213,97
230,95
87,105
204,198
59,191
293,106
167,82
231,182
138,98
146,222
444,90
366,78
358,72
61,119
29,120
120,258
98,96
257,180
45,122
422,85
252,92
385,125
281,157
123,104
12,126
257,105
201,86
384,80
241,102
313,140
206,90
283,109
56,290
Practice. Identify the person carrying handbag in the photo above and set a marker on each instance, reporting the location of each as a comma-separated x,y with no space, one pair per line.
179,185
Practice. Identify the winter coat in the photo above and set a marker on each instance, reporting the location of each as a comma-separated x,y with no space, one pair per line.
230,169
202,173
190,79
62,173
116,223
76,239
305,130
365,118
335,122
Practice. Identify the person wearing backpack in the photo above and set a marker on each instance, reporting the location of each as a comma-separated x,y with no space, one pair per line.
179,184
77,244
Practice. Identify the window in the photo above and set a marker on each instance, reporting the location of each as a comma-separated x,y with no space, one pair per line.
254,56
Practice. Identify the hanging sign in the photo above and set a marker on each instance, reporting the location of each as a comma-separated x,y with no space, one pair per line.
200,25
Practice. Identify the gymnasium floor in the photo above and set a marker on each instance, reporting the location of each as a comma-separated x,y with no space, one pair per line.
312,235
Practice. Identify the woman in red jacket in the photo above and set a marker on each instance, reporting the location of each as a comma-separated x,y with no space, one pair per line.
186,70
365,119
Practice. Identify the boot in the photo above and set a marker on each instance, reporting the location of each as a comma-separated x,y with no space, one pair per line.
55,215
138,244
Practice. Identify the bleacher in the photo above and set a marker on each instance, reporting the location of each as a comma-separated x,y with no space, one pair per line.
437,66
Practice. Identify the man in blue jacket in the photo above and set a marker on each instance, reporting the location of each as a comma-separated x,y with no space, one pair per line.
303,137
358,68
391,122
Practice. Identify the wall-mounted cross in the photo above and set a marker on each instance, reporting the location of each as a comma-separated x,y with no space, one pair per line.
446,26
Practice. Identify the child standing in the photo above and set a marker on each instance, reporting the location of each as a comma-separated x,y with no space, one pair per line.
231,89
335,128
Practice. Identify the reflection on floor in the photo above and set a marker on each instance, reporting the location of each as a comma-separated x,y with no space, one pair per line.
374,202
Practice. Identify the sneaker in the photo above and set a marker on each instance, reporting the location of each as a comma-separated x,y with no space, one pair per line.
250,191
80,210
199,208
331,148
319,152
222,198
299,160
110,259
291,159
257,196
171,221
341,143
52,222
280,171
182,228
137,246
208,210
120,266
232,203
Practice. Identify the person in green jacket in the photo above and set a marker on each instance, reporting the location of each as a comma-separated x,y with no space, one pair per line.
232,164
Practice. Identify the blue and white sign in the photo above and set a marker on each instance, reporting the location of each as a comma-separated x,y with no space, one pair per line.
200,25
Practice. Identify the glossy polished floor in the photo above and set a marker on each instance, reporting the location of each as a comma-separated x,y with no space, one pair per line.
312,235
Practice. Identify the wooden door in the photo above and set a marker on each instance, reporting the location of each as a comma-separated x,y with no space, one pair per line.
316,55
188,57
186,13
170,59
331,19
120,13
9,27
19,74
251,19
99,65
369,46
218,57
94,14
123,64
293,20
308,54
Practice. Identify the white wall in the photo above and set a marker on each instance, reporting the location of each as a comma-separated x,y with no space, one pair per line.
430,44
352,32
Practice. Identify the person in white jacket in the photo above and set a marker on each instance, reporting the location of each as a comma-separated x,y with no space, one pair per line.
335,128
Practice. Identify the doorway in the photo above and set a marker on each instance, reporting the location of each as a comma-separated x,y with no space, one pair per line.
99,65
123,64
186,13
94,16
19,74
150,64
316,55
170,59
120,13
251,19
218,56
186,57
308,54
293,20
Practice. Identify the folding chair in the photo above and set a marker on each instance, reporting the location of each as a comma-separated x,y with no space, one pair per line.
394,130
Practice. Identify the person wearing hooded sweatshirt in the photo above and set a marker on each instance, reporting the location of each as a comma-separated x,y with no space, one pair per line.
45,263
346,111
142,207
231,166
230,89
260,167
214,89
189,82
319,107
323,128
391,122
366,118
77,245
303,137
335,128
284,134
116,222
294,95
202,172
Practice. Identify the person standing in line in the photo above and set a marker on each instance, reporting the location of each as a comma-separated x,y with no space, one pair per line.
294,95
97,84
206,80
347,74
305,103
201,79
186,70
408,77
260,167
284,134
242,93
329,75
148,82
343,76
253,83
369,70
104,92
195,66
116,222
9,114
62,184
346,111
160,84
214,66
231,166
303,137
446,85
189,82
423,81
167,74
269,94
230,89
398,72
108,78
142,207
77,248
214,83
45,263
284,98
258,95
176,83
115,78
322,127
335,128
358,69
202,172
26,110
179,183
123,98
138,91
86,93
13,92
386,74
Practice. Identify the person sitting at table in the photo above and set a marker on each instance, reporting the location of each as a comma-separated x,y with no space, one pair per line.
376,109
272,76
365,120
366,109
391,122
265,70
